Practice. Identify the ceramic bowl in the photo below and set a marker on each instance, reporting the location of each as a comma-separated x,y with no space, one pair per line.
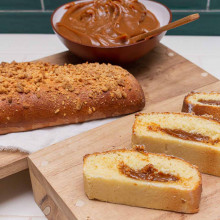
117,54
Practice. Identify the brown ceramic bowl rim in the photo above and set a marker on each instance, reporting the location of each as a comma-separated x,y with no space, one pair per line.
112,47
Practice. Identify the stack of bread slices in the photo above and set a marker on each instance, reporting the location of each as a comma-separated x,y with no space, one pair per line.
152,174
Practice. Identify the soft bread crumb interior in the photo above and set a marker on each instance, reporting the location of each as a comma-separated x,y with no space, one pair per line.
105,165
180,121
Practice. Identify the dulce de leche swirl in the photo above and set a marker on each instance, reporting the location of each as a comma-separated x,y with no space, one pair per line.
106,22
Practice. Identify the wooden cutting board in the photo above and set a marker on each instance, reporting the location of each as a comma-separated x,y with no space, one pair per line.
57,178
162,74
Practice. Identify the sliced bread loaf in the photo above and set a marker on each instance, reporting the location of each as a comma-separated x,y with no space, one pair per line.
137,178
193,138
203,104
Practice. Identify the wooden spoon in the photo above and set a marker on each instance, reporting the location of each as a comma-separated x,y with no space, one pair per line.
169,26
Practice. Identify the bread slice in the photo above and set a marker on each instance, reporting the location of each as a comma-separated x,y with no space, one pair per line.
193,138
203,104
137,178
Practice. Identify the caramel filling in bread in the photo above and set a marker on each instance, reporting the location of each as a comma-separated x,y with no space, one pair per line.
209,102
148,172
178,133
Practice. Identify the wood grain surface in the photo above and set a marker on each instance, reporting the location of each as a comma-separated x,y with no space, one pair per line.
12,162
57,178
162,74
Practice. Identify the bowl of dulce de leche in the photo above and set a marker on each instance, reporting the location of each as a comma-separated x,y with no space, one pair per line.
101,30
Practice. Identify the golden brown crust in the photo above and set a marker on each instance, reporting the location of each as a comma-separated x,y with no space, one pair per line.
68,94
212,111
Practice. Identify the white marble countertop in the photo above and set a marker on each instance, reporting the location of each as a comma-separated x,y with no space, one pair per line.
16,200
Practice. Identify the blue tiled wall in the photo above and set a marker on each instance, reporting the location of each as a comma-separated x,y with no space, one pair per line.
33,16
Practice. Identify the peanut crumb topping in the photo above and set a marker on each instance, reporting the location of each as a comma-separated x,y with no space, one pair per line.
38,77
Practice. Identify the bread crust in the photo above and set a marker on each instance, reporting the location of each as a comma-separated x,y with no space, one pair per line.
46,108
165,198
208,110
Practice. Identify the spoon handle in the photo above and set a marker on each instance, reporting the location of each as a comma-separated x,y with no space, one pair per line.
169,26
